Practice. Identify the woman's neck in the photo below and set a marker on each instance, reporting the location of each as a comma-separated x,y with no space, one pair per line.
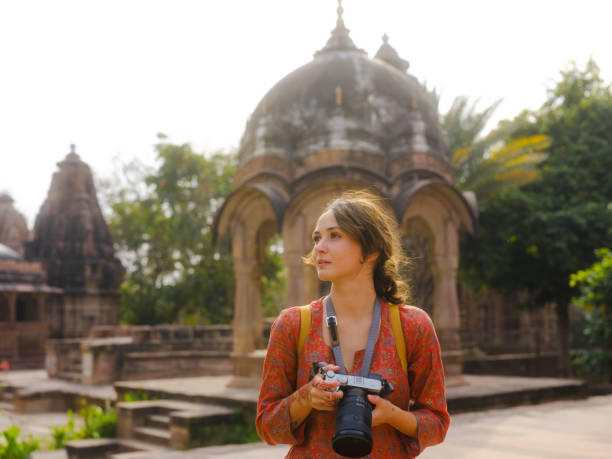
354,300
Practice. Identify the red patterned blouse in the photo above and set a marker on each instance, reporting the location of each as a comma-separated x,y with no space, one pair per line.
424,385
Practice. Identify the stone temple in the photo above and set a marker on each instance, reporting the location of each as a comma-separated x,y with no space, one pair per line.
342,121
62,280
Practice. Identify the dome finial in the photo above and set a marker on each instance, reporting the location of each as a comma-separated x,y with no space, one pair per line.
72,148
340,10
339,39
387,53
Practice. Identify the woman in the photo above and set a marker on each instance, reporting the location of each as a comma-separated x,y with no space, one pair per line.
356,247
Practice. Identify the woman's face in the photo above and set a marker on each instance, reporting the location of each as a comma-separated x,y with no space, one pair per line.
337,256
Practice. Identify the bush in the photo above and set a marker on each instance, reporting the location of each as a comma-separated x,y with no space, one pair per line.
97,423
14,449
595,300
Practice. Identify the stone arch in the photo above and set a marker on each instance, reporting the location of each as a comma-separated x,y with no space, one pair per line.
418,242
445,212
251,217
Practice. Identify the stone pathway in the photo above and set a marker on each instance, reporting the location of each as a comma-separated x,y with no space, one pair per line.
560,430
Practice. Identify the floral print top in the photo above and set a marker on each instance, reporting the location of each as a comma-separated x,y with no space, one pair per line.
421,390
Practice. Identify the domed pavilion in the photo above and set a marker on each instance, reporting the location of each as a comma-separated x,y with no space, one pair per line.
342,121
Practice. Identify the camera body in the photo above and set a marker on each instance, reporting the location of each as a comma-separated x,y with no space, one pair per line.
353,433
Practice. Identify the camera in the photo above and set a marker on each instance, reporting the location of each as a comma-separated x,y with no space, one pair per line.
353,433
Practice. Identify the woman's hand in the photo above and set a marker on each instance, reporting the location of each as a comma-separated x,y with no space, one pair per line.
321,398
383,410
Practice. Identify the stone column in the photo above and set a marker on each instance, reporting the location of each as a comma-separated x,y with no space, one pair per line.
247,308
446,315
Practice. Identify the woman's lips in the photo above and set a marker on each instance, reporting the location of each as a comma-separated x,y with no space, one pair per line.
322,264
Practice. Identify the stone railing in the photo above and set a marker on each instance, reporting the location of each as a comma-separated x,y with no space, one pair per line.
142,352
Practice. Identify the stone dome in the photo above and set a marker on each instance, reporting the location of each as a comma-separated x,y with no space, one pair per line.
345,100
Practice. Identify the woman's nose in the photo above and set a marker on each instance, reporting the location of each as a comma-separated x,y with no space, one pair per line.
320,246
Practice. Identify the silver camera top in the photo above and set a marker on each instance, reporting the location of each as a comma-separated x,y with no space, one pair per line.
360,382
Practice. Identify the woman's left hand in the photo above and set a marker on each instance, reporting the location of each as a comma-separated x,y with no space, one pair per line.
383,410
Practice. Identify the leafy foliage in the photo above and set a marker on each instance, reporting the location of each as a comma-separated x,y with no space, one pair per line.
595,284
63,434
161,223
490,164
97,423
13,447
531,239
274,279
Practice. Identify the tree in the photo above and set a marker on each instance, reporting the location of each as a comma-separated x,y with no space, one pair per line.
161,224
492,163
531,239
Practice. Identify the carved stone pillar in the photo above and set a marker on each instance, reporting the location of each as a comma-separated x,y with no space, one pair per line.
446,315
247,309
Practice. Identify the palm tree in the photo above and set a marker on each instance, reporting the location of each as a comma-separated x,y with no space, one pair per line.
492,163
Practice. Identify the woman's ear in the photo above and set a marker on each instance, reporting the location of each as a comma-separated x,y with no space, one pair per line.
372,257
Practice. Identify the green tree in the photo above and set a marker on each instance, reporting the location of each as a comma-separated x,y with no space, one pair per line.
531,239
161,222
595,299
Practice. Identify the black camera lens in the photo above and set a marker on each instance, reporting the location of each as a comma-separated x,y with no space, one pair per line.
353,434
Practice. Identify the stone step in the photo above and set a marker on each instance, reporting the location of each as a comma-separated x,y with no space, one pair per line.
130,448
159,421
152,435
74,376
6,406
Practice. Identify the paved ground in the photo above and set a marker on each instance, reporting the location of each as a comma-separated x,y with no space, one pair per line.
560,430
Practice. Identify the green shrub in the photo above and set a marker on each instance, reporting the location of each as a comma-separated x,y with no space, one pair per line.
595,300
137,396
15,449
63,434
98,422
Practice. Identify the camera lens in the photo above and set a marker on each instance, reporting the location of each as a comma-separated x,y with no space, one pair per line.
353,434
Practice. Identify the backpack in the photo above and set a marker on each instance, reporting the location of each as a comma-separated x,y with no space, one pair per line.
396,326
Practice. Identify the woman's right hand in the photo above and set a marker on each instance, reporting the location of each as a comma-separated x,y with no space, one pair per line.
321,396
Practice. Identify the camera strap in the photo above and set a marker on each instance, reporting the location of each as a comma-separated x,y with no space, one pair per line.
332,323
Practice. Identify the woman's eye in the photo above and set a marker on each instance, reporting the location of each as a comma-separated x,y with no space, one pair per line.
335,235
316,238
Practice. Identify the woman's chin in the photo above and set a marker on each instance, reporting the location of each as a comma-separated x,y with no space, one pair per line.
323,276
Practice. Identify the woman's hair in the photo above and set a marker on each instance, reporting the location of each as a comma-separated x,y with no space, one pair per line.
367,219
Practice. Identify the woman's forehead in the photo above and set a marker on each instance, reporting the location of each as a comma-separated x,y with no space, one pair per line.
326,220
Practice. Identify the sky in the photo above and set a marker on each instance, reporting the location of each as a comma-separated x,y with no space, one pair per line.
109,75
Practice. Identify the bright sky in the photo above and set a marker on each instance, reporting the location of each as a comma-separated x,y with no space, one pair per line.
109,75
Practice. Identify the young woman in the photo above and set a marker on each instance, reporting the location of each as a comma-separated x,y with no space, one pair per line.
356,247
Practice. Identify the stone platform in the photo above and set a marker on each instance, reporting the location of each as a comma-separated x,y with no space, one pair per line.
478,393
32,388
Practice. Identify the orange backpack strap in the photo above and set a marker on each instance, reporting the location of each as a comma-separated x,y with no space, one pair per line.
398,335
396,326
304,327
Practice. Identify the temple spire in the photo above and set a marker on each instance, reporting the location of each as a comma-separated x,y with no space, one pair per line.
339,39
